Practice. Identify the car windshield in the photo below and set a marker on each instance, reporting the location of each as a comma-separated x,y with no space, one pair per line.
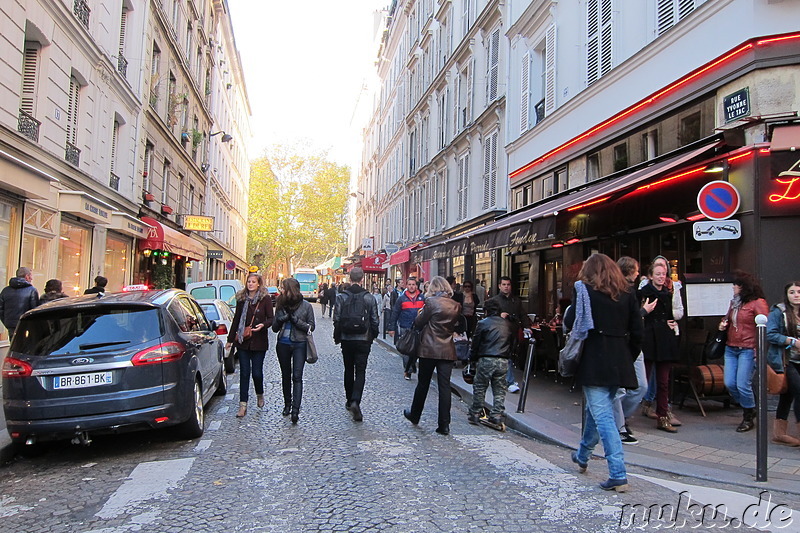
201,293
305,278
73,331
211,311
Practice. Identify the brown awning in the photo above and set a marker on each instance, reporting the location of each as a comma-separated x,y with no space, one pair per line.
785,138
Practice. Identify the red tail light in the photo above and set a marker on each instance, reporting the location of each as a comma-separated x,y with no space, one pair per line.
15,368
222,329
163,353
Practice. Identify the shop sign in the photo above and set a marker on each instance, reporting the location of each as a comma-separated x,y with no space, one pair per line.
718,200
214,254
780,194
367,244
716,230
198,223
85,206
736,105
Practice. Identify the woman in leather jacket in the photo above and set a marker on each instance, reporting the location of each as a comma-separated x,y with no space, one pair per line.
438,320
294,321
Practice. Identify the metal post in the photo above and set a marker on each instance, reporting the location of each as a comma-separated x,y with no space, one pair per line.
761,418
523,394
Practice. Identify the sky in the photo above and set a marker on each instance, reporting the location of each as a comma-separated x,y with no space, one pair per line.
305,62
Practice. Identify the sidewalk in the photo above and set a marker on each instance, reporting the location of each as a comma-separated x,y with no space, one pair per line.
706,448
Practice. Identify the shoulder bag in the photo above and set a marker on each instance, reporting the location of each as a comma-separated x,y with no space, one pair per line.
569,358
311,349
408,344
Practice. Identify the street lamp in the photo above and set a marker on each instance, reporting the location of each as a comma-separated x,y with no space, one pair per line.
355,193
225,136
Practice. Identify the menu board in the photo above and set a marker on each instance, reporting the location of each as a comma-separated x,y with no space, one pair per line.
708,299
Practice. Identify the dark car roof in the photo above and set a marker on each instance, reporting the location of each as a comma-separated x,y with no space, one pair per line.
134,298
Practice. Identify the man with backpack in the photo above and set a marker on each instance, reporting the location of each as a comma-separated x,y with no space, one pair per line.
355,325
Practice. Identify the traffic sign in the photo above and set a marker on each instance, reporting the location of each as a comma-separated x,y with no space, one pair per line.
230,264
718,200
722,230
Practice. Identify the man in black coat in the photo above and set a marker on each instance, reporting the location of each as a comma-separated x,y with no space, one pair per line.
20,296
511,309
100,283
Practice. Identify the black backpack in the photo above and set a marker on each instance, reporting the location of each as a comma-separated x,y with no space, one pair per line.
354,316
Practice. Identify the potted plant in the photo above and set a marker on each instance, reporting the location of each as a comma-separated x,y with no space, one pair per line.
197,137
165,209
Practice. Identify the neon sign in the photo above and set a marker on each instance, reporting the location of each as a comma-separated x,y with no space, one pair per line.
790,192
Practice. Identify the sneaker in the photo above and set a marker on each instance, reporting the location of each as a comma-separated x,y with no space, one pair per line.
581,466
356,410
473,419
627,438
619,485
627,430
513,388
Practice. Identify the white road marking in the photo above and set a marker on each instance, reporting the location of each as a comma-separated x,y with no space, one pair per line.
148,481
202,446
213,426
758,512
222,410
9,508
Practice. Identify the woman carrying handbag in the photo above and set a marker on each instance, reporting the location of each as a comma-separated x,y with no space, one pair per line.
294,322
249,334
784,358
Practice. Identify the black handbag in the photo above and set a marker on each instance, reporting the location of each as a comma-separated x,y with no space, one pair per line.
715,347
408,344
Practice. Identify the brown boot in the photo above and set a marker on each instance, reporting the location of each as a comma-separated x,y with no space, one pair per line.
673,419
260,400
648,410
242,410
664,425
780,435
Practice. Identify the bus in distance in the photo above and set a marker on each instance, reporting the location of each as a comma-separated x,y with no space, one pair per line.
308,280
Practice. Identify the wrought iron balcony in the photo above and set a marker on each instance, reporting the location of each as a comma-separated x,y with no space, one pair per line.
122,64
28,126
113,181
81,10
72,154
539,110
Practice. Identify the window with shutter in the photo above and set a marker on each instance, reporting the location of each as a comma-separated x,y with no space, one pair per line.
468,99
114,140
443,195
123,22
165,170
148,165
670,12
599,44
525,93
493,62
459,88
550,71
72,111
490,171
463,185
30,70
465,16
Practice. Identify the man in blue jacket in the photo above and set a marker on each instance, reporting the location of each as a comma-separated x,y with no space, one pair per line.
19,297
404,311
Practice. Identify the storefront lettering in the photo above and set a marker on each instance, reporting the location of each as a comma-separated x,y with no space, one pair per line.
791,190
517,239
136,228
95,210
476,248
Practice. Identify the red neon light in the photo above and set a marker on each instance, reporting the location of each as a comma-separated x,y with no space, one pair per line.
787,193
695,218
557,245
573,240
653,98
671,178
763,151
587,204
740,156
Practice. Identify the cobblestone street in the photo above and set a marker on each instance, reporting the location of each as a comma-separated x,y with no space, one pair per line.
328,473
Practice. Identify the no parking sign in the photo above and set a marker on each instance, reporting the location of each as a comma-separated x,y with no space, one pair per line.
718,200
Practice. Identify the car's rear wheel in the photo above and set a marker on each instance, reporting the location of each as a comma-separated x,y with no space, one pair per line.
193,428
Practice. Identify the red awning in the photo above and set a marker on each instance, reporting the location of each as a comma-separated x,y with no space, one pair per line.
785,138
400,257
161,237
374,263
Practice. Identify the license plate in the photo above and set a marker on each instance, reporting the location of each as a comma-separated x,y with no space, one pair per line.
77,381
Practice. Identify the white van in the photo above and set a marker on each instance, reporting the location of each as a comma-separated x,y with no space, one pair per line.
217,289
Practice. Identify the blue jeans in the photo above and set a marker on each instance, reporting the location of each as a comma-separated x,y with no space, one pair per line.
292,359
600,426
739,366
510,374
250,361
628,400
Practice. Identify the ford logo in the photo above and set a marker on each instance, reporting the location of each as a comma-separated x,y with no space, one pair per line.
82,361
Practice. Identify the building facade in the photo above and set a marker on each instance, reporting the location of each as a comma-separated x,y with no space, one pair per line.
103,149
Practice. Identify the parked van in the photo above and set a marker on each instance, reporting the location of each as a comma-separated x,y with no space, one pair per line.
216,289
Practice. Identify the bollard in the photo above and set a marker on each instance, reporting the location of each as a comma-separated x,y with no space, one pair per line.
761,417
523,394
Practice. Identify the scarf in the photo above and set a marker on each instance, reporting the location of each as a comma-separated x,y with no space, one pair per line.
583,312
246,303
736,304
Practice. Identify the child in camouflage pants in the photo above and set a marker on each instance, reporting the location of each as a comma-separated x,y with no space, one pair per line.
491,348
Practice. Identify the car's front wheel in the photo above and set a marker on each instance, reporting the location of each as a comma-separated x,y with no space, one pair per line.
193,428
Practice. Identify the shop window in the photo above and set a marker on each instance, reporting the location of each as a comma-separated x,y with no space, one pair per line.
690,129
561,179
117,259
73,257
548,187
649,145
620,157
593,166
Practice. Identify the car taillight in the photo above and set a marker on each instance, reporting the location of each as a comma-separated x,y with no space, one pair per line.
222,329
163,353
14,368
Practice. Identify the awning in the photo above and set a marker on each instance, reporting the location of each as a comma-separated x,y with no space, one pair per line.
331,264
85,206
400,257
24,179
373,263
129,225
785,138
161,237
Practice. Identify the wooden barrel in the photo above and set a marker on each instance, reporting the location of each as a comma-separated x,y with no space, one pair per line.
708,380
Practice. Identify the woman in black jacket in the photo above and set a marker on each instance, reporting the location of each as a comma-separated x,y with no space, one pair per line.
606,314
254,311
294,321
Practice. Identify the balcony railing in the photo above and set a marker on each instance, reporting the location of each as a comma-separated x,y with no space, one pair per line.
81,10
539,110
113,181
72,154
122,64
28,126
